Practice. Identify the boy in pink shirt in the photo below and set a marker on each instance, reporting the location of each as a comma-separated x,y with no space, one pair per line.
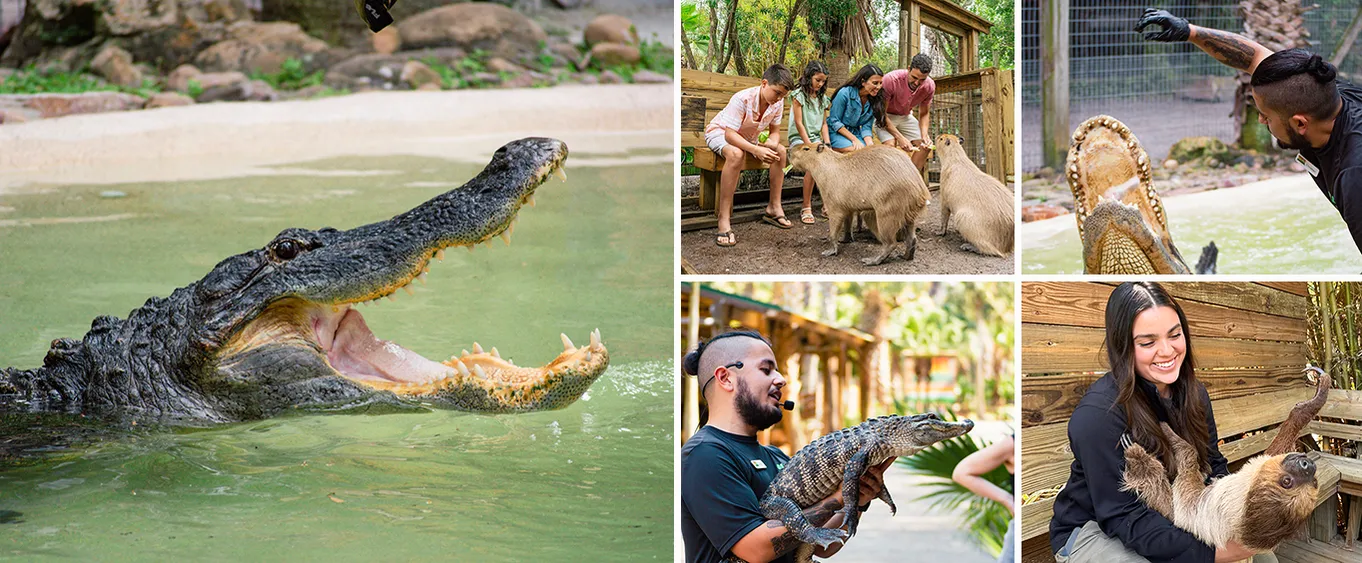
734,131
903,91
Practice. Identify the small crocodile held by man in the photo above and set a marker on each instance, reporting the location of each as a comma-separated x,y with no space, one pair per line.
275,329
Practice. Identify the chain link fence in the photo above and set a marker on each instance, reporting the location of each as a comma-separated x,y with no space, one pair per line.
1163,91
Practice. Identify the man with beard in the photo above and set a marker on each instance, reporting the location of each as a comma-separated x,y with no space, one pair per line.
905,90
1300,101
725,471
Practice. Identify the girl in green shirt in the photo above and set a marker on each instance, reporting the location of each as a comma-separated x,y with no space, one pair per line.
809,104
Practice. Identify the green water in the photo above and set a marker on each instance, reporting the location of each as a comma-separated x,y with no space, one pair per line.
1279,226
589,483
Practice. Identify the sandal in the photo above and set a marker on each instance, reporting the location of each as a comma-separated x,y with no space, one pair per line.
806,216
726,239
777,220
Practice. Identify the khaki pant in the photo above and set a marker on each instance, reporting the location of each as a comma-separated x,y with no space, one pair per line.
1089,545
906,124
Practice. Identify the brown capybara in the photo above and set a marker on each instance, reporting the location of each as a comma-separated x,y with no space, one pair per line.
983,206
877,178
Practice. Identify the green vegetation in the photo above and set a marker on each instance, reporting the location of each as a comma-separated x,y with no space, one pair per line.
653,56
32,80
985,520
291,76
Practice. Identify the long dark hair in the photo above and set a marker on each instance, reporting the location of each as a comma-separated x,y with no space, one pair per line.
876,101
806,81
1188,415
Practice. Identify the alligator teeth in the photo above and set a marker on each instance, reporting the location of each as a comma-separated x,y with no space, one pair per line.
588,355
506,238
477,348
421,277
464,354
567,343
596,338
463,369
530,200
560,173
391,298
407,288
477,368
510,229
495,353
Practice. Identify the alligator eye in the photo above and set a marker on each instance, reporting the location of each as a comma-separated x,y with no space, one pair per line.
286,249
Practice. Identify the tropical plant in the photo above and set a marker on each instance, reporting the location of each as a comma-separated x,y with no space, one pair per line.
985,520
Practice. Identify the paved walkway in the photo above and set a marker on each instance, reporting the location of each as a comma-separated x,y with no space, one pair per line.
915,534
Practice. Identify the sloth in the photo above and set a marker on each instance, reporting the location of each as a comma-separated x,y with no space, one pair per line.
1263,504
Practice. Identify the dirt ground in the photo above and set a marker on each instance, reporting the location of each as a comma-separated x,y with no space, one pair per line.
765,249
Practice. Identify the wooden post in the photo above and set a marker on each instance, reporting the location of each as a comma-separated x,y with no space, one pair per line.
994,155
690,406
843,379
905,37
1354,520
969,51
1007,139
829,391
867,383
914,31
786,344
1054,79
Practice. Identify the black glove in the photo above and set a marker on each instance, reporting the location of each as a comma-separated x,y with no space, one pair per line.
1174,28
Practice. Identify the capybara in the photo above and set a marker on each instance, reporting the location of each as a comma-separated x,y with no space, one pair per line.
877,178
981,204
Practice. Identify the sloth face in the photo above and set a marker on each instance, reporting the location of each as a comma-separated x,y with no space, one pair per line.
1279,500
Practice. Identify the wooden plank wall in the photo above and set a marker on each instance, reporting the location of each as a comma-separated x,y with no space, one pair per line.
1248,345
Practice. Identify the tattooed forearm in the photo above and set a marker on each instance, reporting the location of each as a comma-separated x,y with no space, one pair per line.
819,514
1233,50
785,542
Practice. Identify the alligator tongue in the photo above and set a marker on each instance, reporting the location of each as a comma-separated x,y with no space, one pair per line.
357,353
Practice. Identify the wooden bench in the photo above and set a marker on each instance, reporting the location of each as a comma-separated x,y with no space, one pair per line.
704,95
1250,349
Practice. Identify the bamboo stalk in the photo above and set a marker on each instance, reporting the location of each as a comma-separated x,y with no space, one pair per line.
1326,312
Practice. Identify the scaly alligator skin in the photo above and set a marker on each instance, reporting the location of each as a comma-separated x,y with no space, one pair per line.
838,460
1120,217
275,328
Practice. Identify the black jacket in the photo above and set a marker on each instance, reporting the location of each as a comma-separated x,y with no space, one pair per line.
1093,491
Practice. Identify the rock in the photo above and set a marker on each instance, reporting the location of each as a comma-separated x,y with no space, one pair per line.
307,93
416,74
567,52
168,99
214,79
387,41
12,117
610,28
609,77
649,77
1042,211
1170,164
496,29
261,47
241,91
1208,150
164,32
58,105
498,64
614,54
365,70
178,79
430,87
585,78
484,79
525,80
115,65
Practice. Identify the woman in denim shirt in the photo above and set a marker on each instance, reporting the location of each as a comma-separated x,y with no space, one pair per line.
856,109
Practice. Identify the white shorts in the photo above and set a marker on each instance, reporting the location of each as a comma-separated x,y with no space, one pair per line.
906,124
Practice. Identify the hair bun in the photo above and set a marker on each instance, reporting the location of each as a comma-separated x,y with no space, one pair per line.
691,363
1320,69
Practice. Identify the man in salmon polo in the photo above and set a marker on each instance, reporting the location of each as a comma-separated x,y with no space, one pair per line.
903,91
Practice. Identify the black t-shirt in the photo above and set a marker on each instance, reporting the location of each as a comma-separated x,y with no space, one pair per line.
1094,488
723,476
1340,161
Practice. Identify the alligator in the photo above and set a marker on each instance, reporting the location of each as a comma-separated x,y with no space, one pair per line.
276,329
1120,217
838,460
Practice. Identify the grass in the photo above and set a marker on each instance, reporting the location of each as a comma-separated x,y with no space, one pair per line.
31,80
291,76
653,56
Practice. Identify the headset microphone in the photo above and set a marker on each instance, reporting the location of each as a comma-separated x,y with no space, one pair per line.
788,405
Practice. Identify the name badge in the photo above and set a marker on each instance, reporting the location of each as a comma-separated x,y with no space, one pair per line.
1309,166
758,464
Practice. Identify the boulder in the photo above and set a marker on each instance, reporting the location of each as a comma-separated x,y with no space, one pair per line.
416,74
166,33
609,77
387,41
168,99
240,91
649,77
525,80
496,29
610,28
58,105
430,87
1042,211
261,47
115,65
375,69
498,65
178,79
1202,150
614,54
